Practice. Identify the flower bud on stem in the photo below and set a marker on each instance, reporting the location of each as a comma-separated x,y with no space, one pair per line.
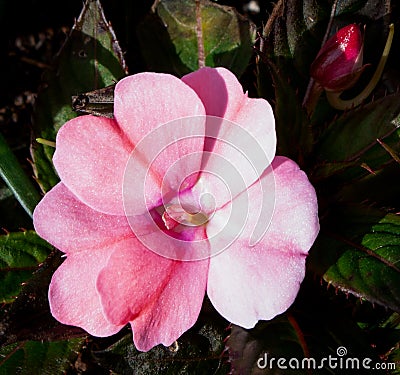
334,97
338,66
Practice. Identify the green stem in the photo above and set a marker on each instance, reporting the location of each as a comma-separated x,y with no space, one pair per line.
334,97
16,179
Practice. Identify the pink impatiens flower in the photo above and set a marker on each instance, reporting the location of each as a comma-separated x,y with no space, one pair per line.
180,195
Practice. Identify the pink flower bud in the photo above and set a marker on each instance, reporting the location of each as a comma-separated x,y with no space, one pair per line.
338,64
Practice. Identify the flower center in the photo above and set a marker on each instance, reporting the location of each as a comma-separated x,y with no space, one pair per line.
175,215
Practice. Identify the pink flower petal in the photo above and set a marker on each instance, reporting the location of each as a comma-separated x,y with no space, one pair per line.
145,101
71,226
160,297
156,113
247,283
245,138
73,297
90,159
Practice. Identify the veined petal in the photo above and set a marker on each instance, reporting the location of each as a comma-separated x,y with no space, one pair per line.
160,297
259,278
71,226
73,297
90,158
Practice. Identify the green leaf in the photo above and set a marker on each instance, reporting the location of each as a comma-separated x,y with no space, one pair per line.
39,358
169,40
371,167
359,253
16,179
90,59
369,172
29,317
356,132
20,254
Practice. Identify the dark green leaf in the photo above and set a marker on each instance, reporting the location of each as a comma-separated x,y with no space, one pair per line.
368,171
325,169
379,187
32,357
389,335
359,253
297,33
356,132
16,179
29,317
20,254
90,59
292,127
373,9
13,217
169,41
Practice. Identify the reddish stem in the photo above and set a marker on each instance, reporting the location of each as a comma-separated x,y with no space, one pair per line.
199,35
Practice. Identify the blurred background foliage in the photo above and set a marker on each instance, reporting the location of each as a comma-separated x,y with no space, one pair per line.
351,294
